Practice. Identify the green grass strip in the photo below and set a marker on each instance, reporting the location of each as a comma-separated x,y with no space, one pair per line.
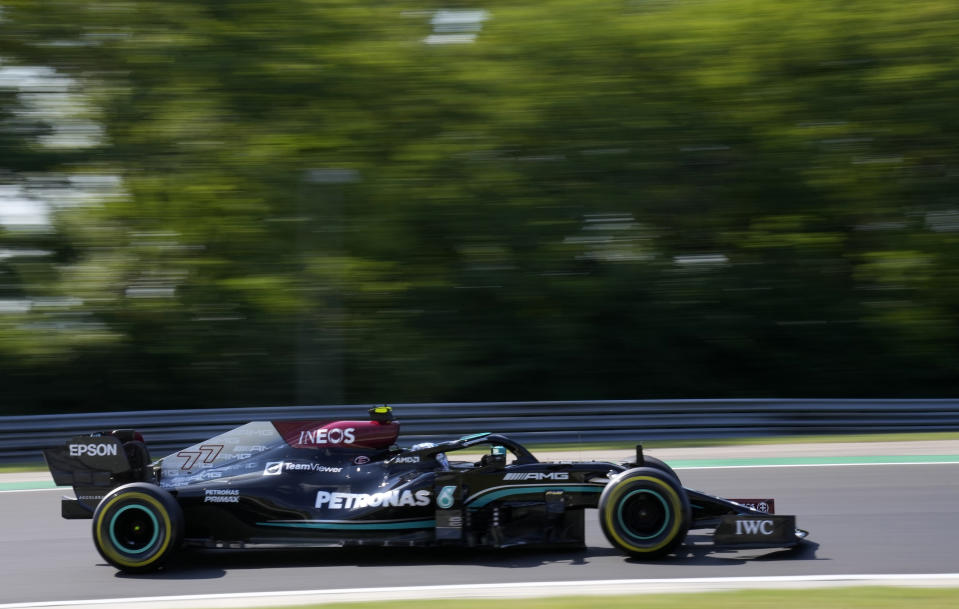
20,468
876,597
817,439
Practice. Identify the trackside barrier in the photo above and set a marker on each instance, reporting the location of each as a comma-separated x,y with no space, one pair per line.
22,437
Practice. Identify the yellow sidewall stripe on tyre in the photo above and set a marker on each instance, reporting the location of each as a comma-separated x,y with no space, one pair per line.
676,506
108,548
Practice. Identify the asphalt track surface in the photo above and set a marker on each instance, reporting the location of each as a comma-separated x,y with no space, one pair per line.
863,519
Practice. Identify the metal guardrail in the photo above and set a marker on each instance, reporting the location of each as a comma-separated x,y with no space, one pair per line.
22,437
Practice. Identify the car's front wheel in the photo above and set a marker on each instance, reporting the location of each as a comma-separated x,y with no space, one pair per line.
137,526
644,512
656,464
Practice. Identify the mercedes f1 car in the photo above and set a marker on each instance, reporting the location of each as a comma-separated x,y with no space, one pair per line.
311,483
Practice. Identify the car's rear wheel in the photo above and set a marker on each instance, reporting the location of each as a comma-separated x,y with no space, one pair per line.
644,512
137,526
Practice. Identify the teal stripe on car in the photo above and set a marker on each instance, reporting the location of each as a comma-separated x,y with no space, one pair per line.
485,498
474,436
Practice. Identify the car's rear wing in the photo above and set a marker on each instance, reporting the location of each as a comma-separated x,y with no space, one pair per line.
94,464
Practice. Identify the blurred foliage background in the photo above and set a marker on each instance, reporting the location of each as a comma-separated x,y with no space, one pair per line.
238,202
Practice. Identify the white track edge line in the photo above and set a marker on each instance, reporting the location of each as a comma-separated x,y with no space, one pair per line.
514,589
773,465
35,490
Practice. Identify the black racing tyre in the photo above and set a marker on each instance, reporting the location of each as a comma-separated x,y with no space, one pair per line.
137,526
644,512
657,464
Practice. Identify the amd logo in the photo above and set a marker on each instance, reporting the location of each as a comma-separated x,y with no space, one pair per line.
537,476
754,527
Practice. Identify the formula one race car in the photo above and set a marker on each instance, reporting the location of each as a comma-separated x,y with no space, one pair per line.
310,483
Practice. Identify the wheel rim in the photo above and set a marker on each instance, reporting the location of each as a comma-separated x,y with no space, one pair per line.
134,529
643,514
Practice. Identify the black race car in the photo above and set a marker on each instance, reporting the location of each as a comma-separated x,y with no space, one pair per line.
310,483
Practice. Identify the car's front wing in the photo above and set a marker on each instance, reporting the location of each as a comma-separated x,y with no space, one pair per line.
743,523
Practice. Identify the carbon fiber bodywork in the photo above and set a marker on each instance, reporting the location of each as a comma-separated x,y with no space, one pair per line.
309,483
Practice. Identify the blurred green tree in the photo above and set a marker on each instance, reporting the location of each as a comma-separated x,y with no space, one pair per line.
349,201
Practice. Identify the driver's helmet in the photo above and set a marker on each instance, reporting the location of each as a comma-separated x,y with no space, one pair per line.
440,457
